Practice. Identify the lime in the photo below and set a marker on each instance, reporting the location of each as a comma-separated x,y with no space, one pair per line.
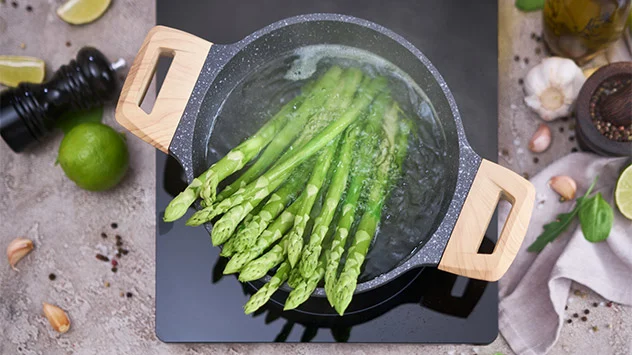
16,69
79,12
94,156
623,193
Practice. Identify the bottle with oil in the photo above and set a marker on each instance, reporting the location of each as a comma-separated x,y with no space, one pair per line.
580,29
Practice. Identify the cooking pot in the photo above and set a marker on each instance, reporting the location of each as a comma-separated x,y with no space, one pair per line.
202,76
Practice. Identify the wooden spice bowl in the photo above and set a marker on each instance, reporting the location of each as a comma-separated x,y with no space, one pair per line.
588,136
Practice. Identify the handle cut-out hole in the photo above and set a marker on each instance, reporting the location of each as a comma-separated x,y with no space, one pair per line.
162,67
488,244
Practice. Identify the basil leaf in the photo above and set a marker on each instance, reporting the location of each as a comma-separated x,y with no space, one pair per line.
596,218
529,5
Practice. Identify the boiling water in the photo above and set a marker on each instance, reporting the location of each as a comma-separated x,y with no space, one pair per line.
412,210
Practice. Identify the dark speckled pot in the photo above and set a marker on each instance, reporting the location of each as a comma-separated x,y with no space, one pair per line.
226,65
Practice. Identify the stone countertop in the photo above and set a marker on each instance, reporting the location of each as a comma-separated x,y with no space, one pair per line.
66,223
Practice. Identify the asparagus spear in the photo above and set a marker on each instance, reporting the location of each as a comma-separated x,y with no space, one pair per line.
361,169
309,258
263,295
348,279
233,161
277,202
256,269
273,233
339,97
305,288
228,248
295,278
295,243
268,182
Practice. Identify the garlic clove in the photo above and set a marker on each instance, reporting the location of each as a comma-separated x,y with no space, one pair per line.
564,185
57,318
541,139
18,249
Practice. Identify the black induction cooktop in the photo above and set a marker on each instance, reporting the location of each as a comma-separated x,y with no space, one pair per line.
196,303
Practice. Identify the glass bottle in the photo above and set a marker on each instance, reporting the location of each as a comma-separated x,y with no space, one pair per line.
580,29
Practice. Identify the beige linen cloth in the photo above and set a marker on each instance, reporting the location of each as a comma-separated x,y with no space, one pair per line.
534,291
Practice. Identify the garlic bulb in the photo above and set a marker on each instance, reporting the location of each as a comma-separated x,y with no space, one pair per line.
552,86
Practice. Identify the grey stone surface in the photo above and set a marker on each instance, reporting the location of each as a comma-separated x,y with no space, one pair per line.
38,202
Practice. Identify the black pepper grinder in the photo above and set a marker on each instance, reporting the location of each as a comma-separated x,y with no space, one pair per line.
29,111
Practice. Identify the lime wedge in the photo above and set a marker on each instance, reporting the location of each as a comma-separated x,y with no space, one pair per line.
79,12
623,193
17,69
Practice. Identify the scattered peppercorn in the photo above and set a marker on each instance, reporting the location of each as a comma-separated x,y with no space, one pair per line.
538,38
118,255
52,276
118,237
103,235
114,225
29,8
14,4
516,58
114,262
565,308
575,315
609,304
569,321
504,152
119,243
573,150
584,318
123,251
68,44
595,304
520,81
536,160
564,119
129,295
526,61
571,138
561,129
586,311
533,35
102,257
114,269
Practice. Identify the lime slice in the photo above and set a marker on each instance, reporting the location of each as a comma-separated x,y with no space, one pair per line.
623,193
17,69
79,12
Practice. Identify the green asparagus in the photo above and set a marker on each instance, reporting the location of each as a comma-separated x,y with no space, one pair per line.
309,258
305,288
329,83
273,233
295,244
363,164
367,226
233,161
257,268
268,182
295,278
264,293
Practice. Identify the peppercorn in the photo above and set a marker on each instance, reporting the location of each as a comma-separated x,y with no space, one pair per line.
119,243
575,315
68,44
129,295
586,311
536,160
595,304
584,319
569,321
114,269
520,81
123,251
52,276
526,61
102,257
103,235
29,8
114,225
14,4
516,58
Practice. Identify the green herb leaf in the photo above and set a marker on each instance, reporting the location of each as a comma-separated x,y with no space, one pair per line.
561,223
529,5
596,217
70,119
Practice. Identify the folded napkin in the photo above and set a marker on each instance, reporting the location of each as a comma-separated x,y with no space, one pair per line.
534,291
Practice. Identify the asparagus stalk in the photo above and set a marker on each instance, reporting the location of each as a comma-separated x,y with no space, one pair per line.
367,226
273,233
305,288
309,258
295,278
256,269
295,243
268,182
361,170
233,161
316,99
263,295
228,248
338,98
277,202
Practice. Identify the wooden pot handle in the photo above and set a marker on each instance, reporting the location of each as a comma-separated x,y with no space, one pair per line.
189,53
491,183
